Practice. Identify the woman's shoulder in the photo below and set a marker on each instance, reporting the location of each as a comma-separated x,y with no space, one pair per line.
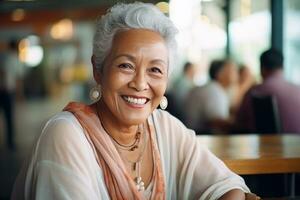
165,117
63,122
169,124
62,116
61,131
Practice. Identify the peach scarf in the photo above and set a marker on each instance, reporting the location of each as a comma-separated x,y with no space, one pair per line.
118,181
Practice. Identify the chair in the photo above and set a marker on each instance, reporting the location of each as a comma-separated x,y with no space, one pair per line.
267,120
266,116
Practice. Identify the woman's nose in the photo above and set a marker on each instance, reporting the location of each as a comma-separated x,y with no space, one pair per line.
139,81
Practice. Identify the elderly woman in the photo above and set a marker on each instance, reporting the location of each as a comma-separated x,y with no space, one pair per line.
121,146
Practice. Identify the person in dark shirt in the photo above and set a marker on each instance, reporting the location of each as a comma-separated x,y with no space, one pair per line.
286,94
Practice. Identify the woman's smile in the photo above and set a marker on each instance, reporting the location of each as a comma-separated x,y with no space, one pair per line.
134,78
135,101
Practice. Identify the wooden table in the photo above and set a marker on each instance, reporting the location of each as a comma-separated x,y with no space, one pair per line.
256,154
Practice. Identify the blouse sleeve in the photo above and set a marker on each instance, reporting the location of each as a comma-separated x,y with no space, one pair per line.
63,165
197,172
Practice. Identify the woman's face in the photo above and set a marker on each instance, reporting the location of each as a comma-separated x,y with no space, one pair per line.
134,77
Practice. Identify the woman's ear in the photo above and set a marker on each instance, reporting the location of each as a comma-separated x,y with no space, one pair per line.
96,72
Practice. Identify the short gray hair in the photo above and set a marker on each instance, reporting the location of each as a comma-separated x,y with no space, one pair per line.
132,16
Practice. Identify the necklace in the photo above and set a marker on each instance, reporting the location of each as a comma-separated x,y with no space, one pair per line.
130,147
136,164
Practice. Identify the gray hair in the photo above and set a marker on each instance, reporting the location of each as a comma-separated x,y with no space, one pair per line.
132,16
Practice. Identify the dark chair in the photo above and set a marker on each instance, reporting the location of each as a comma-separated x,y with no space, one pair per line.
266,114
266,121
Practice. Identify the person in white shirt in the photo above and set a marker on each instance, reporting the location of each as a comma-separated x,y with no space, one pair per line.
207,108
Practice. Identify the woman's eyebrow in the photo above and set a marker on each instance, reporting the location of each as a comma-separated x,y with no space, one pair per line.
158,60
130,57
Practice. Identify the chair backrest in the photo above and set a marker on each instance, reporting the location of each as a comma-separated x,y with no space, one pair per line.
266,114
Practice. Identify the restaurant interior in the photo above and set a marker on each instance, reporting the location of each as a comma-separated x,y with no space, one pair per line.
53,45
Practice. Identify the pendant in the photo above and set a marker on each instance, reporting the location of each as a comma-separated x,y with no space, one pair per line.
133,148
134,166
139,184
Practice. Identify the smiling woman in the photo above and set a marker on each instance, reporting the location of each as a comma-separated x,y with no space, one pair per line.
121,146
134,77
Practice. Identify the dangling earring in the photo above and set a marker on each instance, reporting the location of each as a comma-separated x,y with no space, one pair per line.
95,93
163,103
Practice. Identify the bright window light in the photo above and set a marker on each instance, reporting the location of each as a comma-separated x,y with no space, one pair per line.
30,52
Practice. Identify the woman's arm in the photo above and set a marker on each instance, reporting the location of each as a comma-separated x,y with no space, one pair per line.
62,166
234,194
198,174
239,195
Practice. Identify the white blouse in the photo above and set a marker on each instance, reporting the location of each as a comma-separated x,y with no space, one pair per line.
63,165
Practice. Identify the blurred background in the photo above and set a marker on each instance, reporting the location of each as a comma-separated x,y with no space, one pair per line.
48,46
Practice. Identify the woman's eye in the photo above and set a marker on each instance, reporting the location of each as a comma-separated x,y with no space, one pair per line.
156,70
125,66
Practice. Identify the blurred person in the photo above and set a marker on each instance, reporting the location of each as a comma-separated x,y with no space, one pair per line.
180,89
10,77
245,76
184,83
245,82
207,108
121,146
287,95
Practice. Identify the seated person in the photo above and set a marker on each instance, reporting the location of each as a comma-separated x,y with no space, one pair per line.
121,146
245,81
180,88
286,95
207,108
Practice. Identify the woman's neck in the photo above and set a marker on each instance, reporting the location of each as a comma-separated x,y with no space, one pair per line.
122,133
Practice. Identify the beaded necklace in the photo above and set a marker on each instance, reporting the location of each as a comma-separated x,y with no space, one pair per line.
136,164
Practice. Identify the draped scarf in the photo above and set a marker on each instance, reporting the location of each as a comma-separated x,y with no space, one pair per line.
118,182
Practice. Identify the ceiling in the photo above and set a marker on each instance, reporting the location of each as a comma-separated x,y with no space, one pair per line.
39,13
10,5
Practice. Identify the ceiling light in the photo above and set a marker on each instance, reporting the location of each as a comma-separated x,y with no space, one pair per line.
18,15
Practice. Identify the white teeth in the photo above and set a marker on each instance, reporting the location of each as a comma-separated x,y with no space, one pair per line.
139,101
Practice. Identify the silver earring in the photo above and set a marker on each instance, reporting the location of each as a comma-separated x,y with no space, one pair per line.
95,93
163,103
